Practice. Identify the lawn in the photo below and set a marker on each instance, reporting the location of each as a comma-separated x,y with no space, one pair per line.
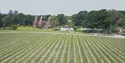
52,47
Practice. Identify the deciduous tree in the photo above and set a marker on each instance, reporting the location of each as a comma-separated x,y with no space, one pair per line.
62,19
6,21
54,21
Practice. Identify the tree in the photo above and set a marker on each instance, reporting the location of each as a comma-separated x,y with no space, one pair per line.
61,18
14,19
103,14
114,16
64,21
28,20
10,12
54,21
81,17
1,24
45,17
107,25
6,21
74,19
91,20
1,17
78,18
20,18
121,22
15,12
70,23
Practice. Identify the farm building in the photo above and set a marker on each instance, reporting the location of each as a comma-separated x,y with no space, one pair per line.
41,23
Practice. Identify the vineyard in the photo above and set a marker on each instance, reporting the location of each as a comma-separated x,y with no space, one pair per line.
60,48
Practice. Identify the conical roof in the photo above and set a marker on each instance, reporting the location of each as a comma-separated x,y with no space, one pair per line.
36,21
48,23
40,21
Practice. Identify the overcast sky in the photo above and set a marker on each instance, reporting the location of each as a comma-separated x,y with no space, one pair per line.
54,7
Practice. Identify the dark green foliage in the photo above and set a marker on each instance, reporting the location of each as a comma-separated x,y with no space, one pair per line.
62,19
114,30
1,17
91,20
54,21
121,22
103,19
10,12
103,15
78,18
12,27
21,18
99,19
6,21
15,12
28,20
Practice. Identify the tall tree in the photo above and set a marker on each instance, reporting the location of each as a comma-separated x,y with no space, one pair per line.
64,21
54,21
28,20
121,22
103,14
60,18
114,16
91,20
20,18
74,19
10,12
78,18
14,19
6,21
15,12
107,24
1,17
1,24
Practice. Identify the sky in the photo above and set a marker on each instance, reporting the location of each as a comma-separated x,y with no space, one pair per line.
55,7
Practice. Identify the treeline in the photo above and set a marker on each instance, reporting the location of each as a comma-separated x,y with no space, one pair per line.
15,18
104,19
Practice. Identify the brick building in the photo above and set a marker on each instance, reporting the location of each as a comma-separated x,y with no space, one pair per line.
41,23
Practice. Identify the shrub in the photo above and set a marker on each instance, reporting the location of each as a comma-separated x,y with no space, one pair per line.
79,30
56,29
76,27
114,30
13,27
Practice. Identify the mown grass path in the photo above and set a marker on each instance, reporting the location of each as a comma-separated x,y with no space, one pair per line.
45,47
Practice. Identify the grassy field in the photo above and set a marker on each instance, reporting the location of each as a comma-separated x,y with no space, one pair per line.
52,47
